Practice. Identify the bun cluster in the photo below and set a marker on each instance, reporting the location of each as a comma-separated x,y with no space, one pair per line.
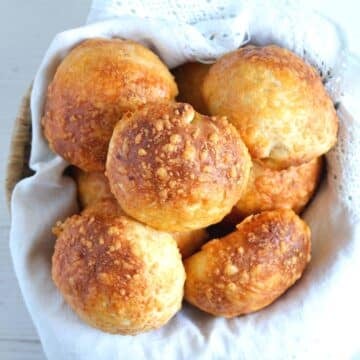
238,153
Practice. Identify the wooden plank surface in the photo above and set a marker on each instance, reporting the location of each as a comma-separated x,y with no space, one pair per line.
21,349
13,315
26,29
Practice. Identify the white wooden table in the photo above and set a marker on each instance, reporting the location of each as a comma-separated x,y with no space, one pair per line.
26,28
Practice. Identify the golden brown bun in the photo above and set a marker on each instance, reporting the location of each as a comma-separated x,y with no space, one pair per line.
189,79
174,169
118,275
94,85
269,189
249,268
276,101
190,241
91,187
105,208
94,187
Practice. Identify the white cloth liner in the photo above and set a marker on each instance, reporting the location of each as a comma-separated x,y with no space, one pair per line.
316,319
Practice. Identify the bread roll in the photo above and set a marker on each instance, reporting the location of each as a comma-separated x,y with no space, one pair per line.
251,267
105,208
276,101
269,189
94,85
174,169
118,275
91,187
189,78
94,187
190,241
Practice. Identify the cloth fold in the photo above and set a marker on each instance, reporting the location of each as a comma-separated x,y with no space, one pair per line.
319,316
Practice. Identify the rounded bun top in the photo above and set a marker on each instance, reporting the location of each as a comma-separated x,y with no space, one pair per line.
276,101
175,169
269,189
107,267
249,268
93,86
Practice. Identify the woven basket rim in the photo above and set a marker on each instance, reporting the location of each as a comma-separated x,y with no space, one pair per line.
17,166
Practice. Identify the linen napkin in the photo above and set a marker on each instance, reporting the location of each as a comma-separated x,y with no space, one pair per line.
316,319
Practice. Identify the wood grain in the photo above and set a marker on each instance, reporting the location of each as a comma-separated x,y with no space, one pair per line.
15,321
23,42
12,349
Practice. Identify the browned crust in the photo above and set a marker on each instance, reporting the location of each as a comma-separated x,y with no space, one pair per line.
276,101
249,268
107,267
174,169
269,189
106,208
91,186
189,78
94,187
190,241
93,86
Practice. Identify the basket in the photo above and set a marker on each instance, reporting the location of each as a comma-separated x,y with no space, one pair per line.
19,154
